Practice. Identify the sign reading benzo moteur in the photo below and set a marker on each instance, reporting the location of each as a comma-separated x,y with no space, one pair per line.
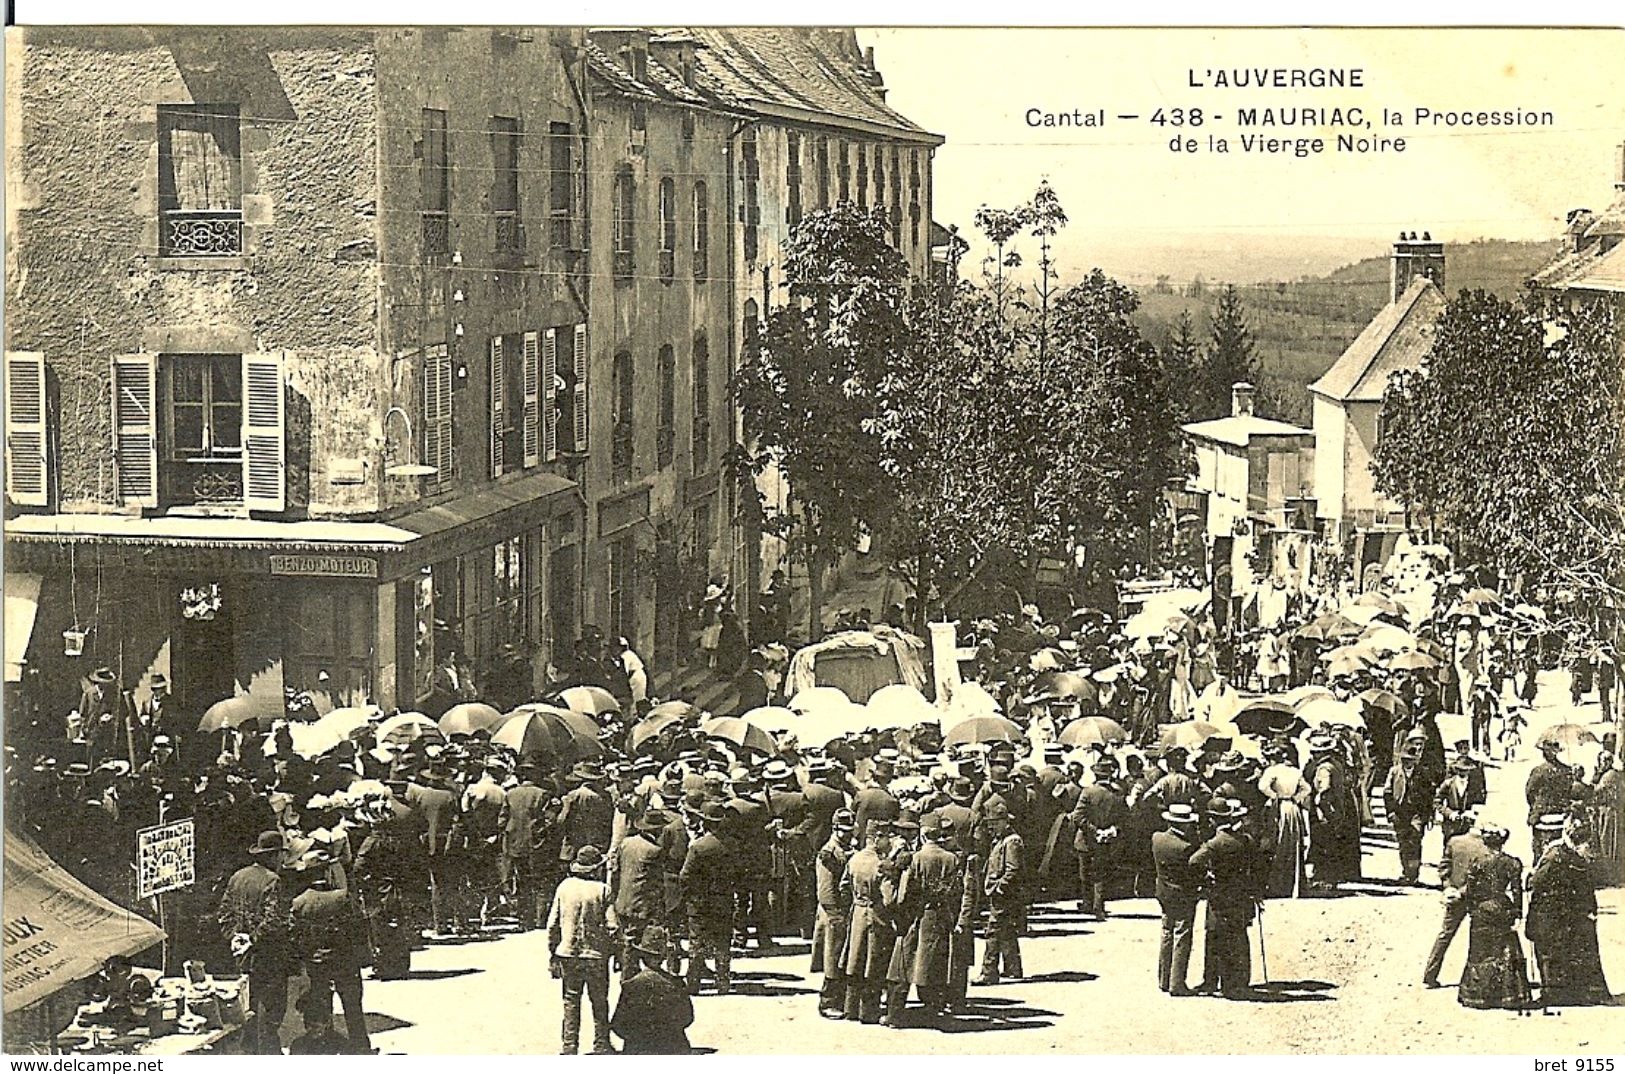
325,566
165,858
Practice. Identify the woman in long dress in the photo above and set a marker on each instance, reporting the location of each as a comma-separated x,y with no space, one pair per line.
1288,793
1563,923
1495,975
1607,810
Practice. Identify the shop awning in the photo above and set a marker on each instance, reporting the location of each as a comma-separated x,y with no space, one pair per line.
22,606
486,516
57,930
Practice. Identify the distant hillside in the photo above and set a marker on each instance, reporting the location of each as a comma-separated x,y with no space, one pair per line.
1301,327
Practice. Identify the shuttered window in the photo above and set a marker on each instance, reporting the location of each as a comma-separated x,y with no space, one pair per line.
499,409
532,376
437,435
28,476
550,394
135,428
580,390
264,435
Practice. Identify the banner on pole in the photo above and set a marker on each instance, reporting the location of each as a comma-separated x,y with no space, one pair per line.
165,858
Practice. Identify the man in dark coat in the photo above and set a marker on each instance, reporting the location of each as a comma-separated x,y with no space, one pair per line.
638,879
326,935
834,915
432,800
1548,790
823,799
1409,801
1098,820
586,815
941,934
1231,868
522,823
1006,897
256,921
1179,887
866,886
707,886
653,1012
1461,853
750,836
791,853
873,801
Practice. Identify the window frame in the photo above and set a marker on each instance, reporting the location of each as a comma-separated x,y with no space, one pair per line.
667,209
192,231
506,141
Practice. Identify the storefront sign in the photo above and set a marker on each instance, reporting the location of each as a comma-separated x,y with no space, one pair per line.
165,858
325,566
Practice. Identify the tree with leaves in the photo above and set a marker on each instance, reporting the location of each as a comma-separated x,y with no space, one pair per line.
1045,218
1000,227
807,390
1510,435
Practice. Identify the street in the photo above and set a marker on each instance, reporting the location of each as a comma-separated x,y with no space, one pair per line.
1344,976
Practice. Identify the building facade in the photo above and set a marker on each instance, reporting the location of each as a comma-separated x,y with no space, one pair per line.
331,351
1347,399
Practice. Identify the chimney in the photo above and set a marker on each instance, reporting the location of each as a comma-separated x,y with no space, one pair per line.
1413,257
676,51
1241,400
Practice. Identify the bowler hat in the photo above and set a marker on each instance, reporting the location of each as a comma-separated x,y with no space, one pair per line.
654,820
961,789
1462,763
714,812
907,822
588,860
1225,809
158,681
269,842
103,676
587,771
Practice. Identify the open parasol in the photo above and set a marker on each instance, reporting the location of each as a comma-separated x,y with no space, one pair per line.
1298,695
469,717
351,720
651,726
589,700
1267,716
983,729
544,731
899,705
740,732
1191,734
1386,638
816,697
1063,684
1380,601
1412,661
1329,710
674,707
309,740
1047,660
234,712
1092,731
1566,735
1386,700
773,718
408,727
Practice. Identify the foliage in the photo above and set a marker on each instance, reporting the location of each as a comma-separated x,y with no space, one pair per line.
806,391
1509,436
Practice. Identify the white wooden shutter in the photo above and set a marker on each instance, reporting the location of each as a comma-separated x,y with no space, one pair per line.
580,401
550,394
135,428
28,478
532,376
437,442
498,405
264,434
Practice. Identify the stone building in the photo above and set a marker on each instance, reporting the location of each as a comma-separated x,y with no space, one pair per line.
291,318
1348,398
1590,265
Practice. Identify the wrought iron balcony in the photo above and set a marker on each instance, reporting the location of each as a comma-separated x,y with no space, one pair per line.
510,233
436,232
197,233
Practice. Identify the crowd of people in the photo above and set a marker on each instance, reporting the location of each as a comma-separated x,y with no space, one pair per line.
1114,758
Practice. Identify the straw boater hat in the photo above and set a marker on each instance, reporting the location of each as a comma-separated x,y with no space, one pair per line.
844,820
1550,822
103,676
1180,814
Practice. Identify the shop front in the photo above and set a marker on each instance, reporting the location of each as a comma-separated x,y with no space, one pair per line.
342,610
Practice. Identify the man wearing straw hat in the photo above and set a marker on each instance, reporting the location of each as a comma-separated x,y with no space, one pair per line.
1231,869
1179,887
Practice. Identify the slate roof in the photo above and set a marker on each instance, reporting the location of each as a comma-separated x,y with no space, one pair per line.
1398,338
813,74
1597,266
1239,431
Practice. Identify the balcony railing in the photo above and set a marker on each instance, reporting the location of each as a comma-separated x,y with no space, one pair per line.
623,264
191,233
622,448
436,232
510,233
665,445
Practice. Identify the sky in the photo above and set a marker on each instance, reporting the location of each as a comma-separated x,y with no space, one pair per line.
1138,208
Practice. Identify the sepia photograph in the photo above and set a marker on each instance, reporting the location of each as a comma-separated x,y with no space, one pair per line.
810,540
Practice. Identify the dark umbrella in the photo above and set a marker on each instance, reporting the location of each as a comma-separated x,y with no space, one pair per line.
1093,731
540,730
1267,716
1062,684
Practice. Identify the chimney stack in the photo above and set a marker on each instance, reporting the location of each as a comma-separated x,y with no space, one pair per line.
1241,400
1413,257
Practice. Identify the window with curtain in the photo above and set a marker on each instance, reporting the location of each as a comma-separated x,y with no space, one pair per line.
200,187
623,221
